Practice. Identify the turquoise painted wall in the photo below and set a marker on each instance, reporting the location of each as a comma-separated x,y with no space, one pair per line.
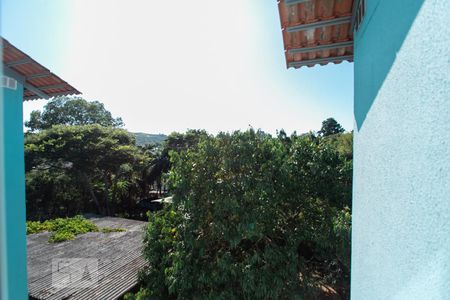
401,209
13,256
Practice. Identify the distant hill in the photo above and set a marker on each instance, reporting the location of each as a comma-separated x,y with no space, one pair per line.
147,138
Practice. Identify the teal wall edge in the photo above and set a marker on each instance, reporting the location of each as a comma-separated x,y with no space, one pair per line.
13,256
401,187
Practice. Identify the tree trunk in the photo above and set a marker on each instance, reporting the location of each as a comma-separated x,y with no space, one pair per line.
106,193
114,190
88,187
94,198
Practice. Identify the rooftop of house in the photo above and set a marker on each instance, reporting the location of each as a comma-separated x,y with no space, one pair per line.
111,262
38,81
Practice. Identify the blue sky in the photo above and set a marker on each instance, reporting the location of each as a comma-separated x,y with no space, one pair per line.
168,66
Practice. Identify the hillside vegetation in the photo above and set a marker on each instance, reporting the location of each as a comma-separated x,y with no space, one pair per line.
143,139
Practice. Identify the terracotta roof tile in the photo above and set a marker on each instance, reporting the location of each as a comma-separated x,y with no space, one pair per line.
316,31
36,76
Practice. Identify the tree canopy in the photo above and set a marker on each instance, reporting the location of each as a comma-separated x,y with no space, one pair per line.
71,111
175,142
81,168
267,216
330,126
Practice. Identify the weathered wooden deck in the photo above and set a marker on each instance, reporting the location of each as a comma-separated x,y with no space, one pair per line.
112,261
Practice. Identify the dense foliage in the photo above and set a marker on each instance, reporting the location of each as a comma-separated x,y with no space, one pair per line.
175,143
330,126
254,217
71,111
78,161
64,229
75,169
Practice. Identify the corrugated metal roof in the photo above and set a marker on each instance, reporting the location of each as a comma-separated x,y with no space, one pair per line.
118,255
316,31
39,81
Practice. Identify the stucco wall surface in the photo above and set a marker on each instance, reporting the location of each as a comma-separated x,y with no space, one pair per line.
13,247
401,208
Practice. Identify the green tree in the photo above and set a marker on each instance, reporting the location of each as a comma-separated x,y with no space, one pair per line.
71,111
94,161
330,126
175,142
343,142
254,217
183,141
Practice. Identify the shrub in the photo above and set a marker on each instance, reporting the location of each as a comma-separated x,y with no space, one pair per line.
254,217
140,295
36,227
61,236
163,233
62,229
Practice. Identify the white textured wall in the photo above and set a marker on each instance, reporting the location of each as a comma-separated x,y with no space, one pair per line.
401,210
